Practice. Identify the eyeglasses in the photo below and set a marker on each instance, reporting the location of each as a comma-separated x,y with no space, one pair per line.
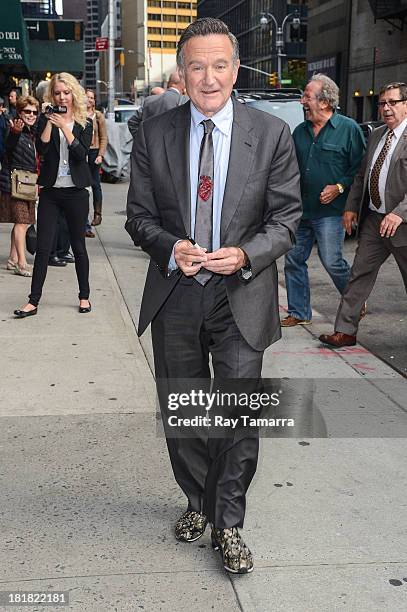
389,102
26,111
304,97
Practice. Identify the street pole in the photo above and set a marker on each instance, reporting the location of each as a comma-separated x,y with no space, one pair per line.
111,88
373,114
254,69
279,36
147,64
279,45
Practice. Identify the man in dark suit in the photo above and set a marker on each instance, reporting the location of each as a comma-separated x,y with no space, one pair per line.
214,199
157,104
378,203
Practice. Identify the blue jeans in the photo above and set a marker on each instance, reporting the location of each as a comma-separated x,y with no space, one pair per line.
329,234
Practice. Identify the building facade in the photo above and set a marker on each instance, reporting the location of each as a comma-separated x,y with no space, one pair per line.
150,32
378,54
329,41
361,44
257,41
93,13
39,9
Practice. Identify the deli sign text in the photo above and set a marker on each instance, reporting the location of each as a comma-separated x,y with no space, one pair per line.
8,53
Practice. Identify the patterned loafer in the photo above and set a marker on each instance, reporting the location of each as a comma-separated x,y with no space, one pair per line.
236,556
191,526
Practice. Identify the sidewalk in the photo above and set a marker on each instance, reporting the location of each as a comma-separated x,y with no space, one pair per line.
88,498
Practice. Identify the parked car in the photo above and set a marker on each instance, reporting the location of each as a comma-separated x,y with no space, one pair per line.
369,126
123,112
283,103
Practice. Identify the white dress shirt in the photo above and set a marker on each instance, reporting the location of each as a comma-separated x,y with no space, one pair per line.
397,133
222,137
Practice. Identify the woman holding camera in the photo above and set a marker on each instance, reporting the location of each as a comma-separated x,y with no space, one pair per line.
63,139
19,155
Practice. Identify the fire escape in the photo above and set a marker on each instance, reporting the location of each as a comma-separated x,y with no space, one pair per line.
392,11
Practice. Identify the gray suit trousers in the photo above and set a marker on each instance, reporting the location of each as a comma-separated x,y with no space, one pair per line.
371,253
214,472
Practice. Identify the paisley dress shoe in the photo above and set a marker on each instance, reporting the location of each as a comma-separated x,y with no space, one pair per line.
236,556
191,526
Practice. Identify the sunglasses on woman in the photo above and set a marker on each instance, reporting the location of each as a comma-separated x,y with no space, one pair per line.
29,112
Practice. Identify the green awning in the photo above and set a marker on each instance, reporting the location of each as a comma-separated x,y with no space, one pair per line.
14,54
57,56
56,45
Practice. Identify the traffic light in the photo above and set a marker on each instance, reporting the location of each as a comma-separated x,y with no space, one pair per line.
273,79
121,58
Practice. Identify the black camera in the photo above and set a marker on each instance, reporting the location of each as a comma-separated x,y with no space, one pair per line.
60,110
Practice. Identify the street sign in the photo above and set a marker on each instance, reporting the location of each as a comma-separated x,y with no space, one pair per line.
102,43
286,81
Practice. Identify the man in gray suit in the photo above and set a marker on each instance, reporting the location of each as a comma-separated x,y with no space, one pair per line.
157,104
378,203
214,200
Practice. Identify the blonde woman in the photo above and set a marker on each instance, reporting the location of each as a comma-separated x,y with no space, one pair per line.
63,139
20,154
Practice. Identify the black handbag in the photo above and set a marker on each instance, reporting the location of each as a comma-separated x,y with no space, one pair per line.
31,240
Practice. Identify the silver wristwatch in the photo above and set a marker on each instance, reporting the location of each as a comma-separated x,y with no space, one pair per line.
246,273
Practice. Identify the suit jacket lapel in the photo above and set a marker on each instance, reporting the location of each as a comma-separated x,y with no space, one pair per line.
242,153
400,148
76,130
176,141
55,137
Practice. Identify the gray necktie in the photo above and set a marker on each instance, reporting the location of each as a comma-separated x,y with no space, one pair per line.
204,200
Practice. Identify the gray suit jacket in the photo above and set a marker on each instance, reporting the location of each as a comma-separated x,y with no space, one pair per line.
159,104
396,185
260,212
155,105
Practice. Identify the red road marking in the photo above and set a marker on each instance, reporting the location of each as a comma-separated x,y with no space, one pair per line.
363,366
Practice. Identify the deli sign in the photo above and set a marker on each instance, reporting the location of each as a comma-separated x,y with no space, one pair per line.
14,44
9,51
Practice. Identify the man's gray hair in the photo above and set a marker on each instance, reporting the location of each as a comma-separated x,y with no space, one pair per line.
395,85
40,90
204,27
329,90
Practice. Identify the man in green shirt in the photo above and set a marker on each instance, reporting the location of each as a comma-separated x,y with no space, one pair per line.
329,150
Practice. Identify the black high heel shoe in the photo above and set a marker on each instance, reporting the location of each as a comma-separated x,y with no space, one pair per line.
83,309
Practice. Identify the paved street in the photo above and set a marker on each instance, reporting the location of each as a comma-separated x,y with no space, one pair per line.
384,330
88,499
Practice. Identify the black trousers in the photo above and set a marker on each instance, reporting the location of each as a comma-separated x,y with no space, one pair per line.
62,243
74,203
95,173
214,472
